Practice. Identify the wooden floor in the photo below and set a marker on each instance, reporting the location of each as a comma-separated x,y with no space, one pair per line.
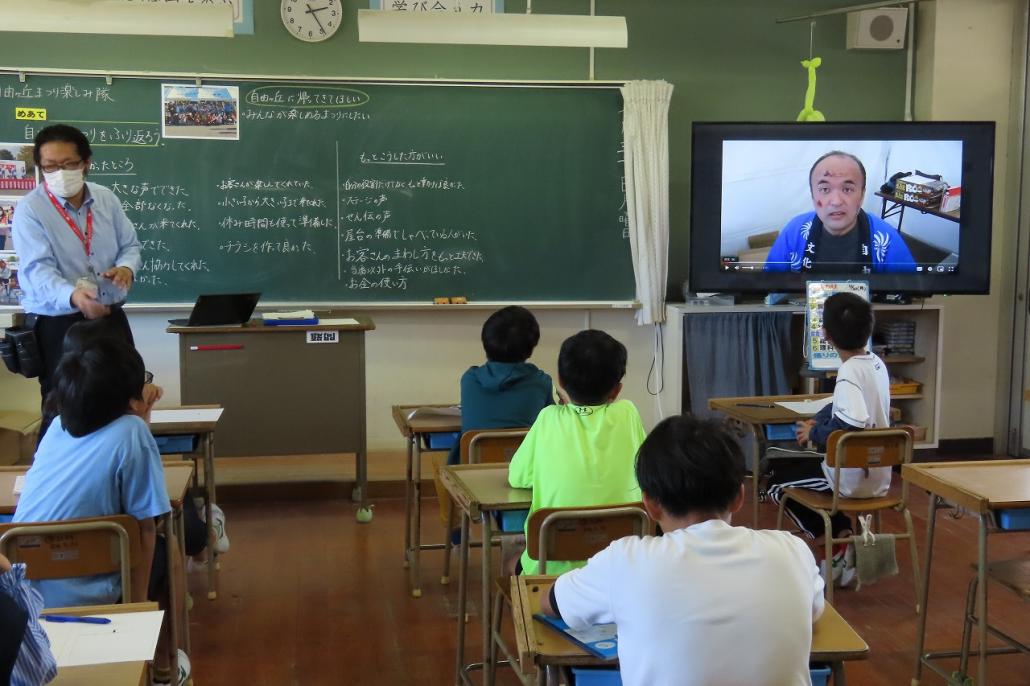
310,597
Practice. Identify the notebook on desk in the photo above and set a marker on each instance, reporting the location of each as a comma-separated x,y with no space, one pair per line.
221,309
600,639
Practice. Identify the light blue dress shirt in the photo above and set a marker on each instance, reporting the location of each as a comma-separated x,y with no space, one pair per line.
114,470
35,664
52,258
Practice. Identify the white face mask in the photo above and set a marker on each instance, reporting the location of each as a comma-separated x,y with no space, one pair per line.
64,182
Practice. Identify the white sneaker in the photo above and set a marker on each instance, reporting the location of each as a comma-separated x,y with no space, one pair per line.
184,668
218,517
221,538
844,574
184,672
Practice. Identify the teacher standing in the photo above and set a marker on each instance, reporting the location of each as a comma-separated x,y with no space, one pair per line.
78,252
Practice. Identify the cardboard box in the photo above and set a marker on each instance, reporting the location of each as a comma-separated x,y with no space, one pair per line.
952,199
18,432
762,240
920,190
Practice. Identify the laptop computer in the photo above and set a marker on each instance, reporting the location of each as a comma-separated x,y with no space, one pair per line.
222,309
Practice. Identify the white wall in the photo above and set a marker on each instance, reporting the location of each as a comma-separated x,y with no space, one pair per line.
965,64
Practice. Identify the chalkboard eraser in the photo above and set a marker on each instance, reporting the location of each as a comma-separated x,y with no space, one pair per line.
459,300
441,301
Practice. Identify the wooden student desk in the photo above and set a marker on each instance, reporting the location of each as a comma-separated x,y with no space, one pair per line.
282,394
745,415
479,490
111,674
178,477
413,430
981,488
175,421
833,639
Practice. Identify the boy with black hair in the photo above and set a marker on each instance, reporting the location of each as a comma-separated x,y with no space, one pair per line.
507,392
581,453
685,602
861,400
98,458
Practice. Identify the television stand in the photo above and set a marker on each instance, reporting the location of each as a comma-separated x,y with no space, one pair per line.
919,406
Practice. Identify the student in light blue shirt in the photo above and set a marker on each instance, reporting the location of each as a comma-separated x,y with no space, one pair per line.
78,252
98,458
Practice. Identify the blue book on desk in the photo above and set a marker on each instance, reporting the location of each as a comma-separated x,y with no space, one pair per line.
600,639
292,322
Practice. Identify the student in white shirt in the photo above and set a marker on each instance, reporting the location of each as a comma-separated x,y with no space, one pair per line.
861,400
707,602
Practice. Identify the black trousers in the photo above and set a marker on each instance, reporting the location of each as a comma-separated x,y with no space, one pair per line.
804,472
50,332
195,537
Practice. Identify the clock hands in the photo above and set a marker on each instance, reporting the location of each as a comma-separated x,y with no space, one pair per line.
313,11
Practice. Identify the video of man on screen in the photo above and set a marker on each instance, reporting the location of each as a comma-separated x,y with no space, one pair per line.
841,207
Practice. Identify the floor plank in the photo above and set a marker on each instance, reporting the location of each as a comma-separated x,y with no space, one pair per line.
309,597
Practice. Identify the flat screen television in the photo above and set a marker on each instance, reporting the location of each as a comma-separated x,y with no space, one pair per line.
903,205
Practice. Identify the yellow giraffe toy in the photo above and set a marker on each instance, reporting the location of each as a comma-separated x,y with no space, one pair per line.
809,113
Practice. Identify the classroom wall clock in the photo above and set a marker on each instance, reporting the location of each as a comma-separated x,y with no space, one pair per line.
311,20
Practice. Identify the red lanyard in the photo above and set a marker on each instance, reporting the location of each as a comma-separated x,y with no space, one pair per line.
87,240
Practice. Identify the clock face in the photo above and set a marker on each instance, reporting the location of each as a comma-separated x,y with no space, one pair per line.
311,20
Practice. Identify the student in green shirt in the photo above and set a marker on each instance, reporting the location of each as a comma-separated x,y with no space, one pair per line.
581,453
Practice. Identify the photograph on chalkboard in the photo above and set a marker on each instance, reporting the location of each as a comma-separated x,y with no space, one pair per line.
17,169
10,292
7,205
208,112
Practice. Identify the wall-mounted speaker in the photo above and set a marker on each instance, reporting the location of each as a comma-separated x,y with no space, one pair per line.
880,29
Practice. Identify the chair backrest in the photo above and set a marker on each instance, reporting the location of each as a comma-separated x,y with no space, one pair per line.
576,533
75,547
491,445
869,448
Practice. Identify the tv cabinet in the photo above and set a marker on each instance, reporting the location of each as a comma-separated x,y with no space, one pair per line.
920,409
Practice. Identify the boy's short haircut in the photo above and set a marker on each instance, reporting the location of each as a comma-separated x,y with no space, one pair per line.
510,334
848,320
690,465
590,365
95,384
82,334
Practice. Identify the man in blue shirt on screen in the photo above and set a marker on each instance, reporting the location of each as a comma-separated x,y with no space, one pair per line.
839,237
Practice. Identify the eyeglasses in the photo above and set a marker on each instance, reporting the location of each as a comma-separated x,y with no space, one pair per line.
70,165
148,377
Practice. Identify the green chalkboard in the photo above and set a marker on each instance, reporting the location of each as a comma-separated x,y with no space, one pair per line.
354,192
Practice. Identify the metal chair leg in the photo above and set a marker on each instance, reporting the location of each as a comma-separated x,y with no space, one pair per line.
779,511
445,578
828,555
495,629
967,627
916,577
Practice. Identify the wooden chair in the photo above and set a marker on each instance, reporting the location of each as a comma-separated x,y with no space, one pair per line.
77,547
1013,575
861,450
486,446
566,533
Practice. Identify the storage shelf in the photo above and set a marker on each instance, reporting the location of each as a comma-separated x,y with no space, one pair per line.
903,359
907,396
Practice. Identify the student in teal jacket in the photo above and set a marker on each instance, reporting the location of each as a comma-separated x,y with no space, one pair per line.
506,392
